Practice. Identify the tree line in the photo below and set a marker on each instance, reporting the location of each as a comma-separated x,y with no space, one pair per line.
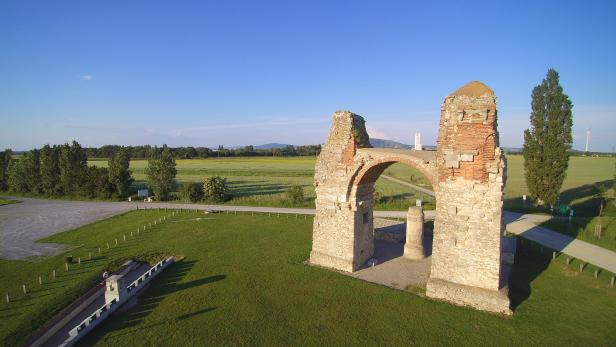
62,170
189,152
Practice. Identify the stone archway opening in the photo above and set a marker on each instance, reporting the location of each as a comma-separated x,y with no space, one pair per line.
399,246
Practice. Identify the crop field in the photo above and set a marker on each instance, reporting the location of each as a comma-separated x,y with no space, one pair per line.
265,179
243,280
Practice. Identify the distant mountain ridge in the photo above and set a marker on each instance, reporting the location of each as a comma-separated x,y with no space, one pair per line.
381,143
271,145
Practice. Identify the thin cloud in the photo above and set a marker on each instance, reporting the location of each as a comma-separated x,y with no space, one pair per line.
86,77
375,133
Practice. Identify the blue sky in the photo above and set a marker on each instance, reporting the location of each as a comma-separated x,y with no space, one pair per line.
234,73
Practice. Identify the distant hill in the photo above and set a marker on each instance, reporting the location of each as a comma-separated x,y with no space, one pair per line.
380,143
271,145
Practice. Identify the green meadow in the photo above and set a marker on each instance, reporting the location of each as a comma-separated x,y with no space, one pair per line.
262,181
243,280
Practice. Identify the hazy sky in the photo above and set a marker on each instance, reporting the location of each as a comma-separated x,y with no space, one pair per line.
234,73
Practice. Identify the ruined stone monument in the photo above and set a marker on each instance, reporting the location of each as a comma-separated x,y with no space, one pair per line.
467,173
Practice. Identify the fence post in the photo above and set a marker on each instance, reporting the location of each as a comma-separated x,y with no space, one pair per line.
40,280
23,286
8,299
89,255
66,266
54,273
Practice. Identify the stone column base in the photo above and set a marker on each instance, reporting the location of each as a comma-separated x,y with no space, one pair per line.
325,260
496,301
413,252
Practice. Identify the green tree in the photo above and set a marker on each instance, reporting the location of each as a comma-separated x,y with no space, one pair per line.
119,174
50,170
98,185
161,172
192,191
24,173
548,141
295,194
215,188
73,169
5,159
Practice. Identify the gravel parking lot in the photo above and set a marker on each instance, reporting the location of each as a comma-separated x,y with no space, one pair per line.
31,219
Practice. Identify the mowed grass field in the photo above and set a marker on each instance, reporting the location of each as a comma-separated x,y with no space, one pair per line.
244,281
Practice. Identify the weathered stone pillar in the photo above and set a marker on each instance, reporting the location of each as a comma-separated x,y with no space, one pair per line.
343,236
413,247
466,253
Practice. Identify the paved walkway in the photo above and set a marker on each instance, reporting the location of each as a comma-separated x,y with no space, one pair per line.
525,225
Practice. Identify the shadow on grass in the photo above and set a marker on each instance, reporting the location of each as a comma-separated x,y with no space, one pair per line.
529,264
583,199
165,284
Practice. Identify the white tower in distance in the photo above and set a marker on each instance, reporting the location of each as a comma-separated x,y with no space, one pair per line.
418,142
587,138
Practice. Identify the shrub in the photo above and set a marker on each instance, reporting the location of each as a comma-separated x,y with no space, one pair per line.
295,194
192,191
215,188
377,197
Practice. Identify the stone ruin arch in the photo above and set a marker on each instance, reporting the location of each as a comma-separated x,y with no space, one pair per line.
467,172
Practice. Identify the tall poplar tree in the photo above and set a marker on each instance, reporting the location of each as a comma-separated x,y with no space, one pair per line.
24,173
5,159
50,170
548,141
73,168
119,174
161,172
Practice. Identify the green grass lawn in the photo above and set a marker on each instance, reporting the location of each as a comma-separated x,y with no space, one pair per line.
243,281
7,202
